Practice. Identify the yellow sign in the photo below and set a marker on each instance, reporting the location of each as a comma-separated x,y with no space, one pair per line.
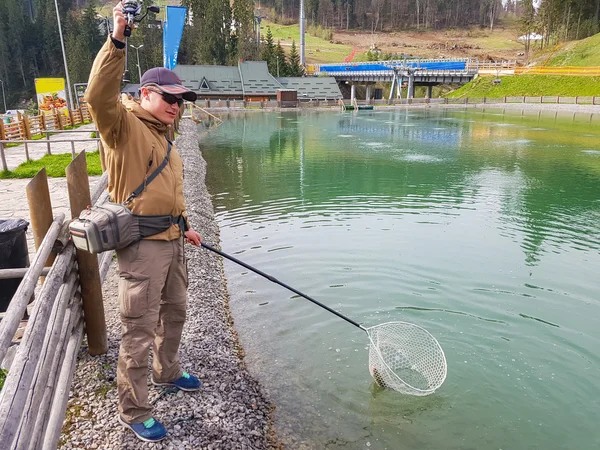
51,94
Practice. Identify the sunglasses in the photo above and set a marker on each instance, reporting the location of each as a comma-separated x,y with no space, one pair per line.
169,98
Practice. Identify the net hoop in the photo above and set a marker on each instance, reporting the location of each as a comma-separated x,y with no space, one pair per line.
397,383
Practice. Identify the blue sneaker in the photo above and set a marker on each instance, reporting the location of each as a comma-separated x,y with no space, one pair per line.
185,382
150,430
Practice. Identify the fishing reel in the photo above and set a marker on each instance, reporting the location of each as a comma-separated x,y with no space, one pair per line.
132,10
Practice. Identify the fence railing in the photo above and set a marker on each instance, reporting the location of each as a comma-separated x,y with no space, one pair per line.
34,397
313,103
48,142
565,70
23,127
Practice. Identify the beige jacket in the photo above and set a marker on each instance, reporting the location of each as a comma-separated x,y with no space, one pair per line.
135,144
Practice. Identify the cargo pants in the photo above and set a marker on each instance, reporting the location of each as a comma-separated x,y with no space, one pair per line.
152,301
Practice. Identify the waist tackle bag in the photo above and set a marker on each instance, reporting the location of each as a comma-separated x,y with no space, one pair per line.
112,226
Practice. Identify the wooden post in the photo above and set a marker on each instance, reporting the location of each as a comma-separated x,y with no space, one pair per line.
2,133
43,121
71,117
102,156
40,209
78,185
2,157
26,126
57,120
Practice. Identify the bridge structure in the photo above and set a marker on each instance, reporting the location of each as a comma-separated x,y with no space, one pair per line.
411,72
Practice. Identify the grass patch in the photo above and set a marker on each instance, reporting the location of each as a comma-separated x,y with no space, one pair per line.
317,50
529,85
37,137
585,52
55,166
104,389
2,377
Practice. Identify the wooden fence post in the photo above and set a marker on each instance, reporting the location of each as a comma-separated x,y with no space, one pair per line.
102,156
78,185
57,120
40,209
26,126
43,121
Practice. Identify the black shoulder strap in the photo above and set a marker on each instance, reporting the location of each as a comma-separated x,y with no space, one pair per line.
149,180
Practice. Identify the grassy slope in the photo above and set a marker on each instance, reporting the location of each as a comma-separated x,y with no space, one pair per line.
529,85
317,50
585,52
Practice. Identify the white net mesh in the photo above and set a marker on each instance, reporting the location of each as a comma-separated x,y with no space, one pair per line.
406,358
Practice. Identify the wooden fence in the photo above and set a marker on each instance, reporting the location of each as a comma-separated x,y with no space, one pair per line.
34,397
23,127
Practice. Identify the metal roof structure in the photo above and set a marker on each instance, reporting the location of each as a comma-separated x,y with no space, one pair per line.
211,80
252,78
312,87
256,78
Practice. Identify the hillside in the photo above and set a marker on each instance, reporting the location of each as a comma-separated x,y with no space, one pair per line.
500,44
585,52
529,85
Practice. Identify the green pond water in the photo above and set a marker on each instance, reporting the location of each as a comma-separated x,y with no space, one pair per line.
482,226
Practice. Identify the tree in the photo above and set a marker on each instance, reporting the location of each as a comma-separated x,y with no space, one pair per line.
295,69
82,43
268,52
281,66
246,45
207,37
527,22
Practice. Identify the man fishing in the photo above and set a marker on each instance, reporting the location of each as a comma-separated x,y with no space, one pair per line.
153,272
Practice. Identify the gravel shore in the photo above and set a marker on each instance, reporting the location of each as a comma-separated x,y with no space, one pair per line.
230,411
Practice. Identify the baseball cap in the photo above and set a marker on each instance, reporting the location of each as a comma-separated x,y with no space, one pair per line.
167,81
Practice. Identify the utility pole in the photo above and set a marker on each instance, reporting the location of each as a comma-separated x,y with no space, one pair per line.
137,51
302,23
3,96
258,21
62,44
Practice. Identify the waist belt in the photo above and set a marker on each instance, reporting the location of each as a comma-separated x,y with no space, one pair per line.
151,225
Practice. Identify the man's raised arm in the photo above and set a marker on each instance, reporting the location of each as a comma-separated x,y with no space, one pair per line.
104,86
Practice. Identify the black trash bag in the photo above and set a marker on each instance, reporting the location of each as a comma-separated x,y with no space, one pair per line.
13,255
12,225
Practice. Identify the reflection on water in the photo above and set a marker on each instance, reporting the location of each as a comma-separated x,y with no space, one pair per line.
481,226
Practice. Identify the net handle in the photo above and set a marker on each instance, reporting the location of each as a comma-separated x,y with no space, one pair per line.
275,280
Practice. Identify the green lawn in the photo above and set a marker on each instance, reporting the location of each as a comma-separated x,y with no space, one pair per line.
55,166
529,85
581,53
317,50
